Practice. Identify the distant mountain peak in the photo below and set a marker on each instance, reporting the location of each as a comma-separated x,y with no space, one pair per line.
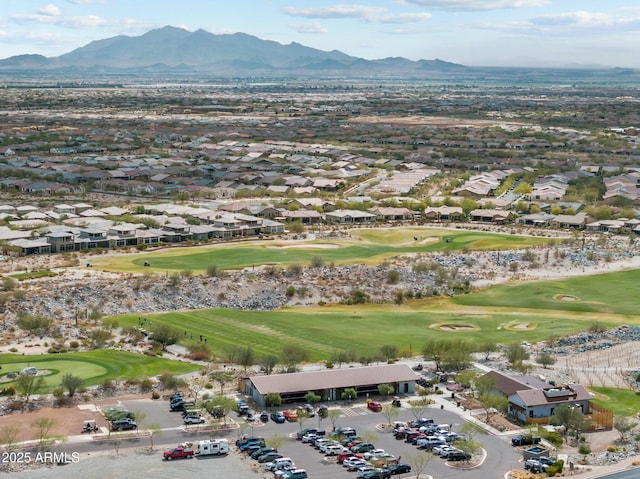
204,52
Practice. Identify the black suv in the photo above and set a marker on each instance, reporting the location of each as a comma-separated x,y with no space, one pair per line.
523,440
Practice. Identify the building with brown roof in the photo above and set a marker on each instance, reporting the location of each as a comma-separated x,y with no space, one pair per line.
330,383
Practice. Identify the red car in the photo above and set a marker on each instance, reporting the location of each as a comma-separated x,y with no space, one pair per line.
374,406
290,415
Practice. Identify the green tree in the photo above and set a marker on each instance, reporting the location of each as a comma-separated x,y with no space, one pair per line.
623,425
267,363
385,389
72,383
333,415
221,405
389,412
389,351
246,357
515,354
493,402
43,427
292,355
419,462
312,398
303,417
487,348
570,418
165,335
272,399
545,360
222,378
275,441
28,385
349,394
296,227
9,436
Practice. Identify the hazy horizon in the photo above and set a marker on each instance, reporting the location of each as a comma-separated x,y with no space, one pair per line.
500,33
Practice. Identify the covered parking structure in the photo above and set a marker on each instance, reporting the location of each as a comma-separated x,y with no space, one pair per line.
329,384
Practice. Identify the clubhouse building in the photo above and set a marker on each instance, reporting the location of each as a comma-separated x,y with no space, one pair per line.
329,384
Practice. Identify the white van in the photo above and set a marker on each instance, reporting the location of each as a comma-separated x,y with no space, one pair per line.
213,447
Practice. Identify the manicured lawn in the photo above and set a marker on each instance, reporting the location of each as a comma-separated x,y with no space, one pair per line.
93,366
603,293
372,247
623,402
323,330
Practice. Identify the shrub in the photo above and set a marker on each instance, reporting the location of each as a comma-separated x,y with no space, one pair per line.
584,449
290,291
74,344
612,448
555,468
146,385
58,392
8,390
393,275
155,395
199,356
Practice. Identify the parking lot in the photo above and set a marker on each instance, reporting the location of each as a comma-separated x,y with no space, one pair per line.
500,455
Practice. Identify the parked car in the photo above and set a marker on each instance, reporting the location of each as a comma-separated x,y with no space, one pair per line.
259,442
308,408
264,416
363,447
268,457
353,464
295,474
278,417
524,440
309,430
458,456
290,415
179,452
123,424
374,406
345,431
194,419
538,465
399,469
429,442
376,474
243,440
278,463
260,451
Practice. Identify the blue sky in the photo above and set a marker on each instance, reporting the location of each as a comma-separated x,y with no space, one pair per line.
470,32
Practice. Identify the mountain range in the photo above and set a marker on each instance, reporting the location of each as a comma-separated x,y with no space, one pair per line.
175,51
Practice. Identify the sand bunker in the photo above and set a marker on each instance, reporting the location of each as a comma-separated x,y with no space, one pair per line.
521,326
452,327
566,297
305,246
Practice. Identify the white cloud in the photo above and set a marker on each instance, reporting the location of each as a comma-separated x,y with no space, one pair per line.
478,5
61,21
86,2
570,24
403,18
575,18
335,11
313,27
363,12
49,11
